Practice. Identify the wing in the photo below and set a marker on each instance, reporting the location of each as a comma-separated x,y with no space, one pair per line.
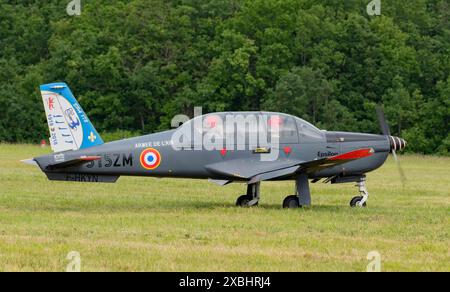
254,170
245,169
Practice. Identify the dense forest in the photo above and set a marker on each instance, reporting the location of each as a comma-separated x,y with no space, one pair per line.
134,64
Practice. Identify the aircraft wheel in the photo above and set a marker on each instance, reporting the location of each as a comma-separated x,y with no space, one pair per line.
291,202
355,202
244,201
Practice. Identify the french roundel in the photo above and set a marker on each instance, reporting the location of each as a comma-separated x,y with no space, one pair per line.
150,159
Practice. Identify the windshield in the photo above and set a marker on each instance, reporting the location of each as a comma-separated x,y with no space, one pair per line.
309,133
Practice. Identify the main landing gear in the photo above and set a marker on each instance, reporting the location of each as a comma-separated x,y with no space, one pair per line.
361,201
302,197
251,199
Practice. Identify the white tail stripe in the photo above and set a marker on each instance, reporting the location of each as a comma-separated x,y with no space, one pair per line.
58,97
65,135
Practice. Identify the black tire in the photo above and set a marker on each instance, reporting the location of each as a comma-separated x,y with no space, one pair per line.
291,202
355,201
243,201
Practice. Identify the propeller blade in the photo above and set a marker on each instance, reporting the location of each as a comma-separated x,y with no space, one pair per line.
387,132
399,167
382,120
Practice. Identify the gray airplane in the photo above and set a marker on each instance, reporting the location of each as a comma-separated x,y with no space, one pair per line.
246,147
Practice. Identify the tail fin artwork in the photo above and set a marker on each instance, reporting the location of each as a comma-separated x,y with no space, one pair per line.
69,126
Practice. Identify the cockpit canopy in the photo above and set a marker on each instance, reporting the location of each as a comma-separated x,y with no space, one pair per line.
250,128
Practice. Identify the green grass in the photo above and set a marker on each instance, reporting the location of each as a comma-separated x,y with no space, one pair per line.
142,224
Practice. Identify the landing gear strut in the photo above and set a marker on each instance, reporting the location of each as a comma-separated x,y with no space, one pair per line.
251,199
361,201
303,194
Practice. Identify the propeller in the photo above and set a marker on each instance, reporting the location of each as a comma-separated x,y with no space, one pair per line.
386,131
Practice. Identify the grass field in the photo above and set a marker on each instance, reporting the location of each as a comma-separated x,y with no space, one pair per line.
144,224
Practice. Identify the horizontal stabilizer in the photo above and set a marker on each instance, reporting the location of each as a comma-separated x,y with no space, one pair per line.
30,162
73,162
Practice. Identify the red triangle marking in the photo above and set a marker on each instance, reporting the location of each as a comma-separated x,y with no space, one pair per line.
288,150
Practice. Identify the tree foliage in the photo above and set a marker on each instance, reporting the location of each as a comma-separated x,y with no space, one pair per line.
134,64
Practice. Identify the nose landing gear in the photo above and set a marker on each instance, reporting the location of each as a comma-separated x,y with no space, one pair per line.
361,201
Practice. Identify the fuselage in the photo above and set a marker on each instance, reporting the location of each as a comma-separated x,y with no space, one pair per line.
157,155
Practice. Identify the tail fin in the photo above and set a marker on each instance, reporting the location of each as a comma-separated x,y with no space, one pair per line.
70,128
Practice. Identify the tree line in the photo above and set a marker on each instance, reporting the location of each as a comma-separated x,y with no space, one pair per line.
134,64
